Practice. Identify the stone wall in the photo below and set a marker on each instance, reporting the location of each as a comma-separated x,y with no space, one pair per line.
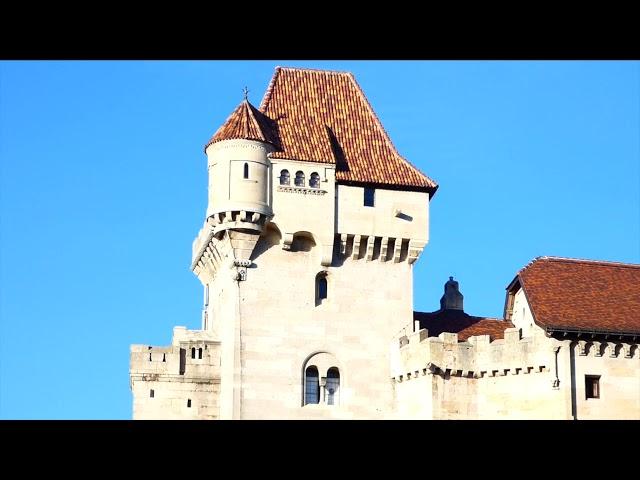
512,378
168,383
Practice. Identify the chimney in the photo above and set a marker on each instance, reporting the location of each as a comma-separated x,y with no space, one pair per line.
452,298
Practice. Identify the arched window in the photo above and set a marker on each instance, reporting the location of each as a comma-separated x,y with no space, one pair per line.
193,353
284,177
246,170
314,180
311,385
200,353
321,287
332,387
299,179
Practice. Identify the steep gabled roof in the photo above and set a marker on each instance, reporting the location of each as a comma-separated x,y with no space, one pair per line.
456,321
246,123
585,295
323,116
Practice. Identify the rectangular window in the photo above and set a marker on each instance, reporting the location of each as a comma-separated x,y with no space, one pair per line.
592,386
188,403
369,197
152,393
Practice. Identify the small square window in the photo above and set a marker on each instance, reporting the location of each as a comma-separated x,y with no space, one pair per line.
369,197
592,386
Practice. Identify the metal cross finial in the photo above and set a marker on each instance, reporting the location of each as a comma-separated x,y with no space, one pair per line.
245,90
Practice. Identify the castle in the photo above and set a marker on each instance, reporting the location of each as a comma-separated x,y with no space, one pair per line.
313,223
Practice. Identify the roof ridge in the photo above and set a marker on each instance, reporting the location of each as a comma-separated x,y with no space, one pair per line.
264,103
253,119
580,260
384,132
317,70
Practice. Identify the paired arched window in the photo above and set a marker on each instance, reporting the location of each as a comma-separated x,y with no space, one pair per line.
284,177
299,178
200,353
311,386
246,170
314,180
193,352
321,380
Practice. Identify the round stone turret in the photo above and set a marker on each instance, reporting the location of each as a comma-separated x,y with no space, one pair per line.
240,171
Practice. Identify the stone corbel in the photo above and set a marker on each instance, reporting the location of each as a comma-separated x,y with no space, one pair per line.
240,270
370,243
397,248
612,349
356,247
287,240
627,350
343,243
582,348
384,248
597,347
415,249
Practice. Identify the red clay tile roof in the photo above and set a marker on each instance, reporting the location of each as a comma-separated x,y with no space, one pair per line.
323,116
456,321
590,295
247,123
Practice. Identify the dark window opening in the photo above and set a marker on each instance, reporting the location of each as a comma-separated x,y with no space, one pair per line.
164,357
311,386
188,403
284,177
299,179
592,386
321,287
246,170
314,180
193,353
200,353
152,393
149,356
333,386
369,197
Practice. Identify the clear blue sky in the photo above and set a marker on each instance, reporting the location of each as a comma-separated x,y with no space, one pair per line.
103,188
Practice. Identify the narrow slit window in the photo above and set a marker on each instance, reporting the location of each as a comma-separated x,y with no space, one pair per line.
188,403
369,197
321,288
246,170
200,353
152,393
592,386
193,353
164,357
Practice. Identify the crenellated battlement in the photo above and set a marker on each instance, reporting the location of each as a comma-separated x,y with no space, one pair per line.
417,354
193,354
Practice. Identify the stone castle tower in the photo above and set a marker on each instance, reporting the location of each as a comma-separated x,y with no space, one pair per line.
312,226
